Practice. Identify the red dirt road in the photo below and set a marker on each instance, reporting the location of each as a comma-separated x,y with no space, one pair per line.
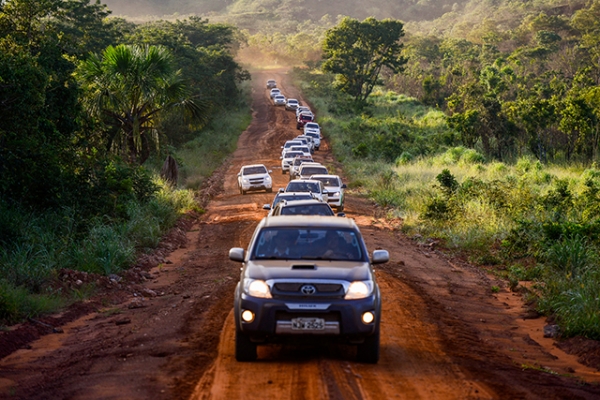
445,335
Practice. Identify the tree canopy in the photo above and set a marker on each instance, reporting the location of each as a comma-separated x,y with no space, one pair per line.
130,86
357,51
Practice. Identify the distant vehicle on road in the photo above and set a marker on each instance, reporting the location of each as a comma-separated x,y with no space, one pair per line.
254,177
275,92
291,104
279,100
303,118
335,189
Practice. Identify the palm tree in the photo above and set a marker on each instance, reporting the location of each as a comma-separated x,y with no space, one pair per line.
128,87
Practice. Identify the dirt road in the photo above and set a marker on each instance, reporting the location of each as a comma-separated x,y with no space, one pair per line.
166,331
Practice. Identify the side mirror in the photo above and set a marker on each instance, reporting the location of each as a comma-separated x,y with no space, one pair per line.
236,254
270,171
281,190
325,191
267,207
380,256
341,214
344,186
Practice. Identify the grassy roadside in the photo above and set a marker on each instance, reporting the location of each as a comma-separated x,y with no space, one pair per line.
35,246
201,156
528,221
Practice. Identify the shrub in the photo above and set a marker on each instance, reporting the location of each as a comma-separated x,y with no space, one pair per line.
17,302
571,256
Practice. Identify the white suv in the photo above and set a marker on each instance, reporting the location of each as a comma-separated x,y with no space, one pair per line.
335,190
287,145
308,185
275,92
306,170
254,177
287,159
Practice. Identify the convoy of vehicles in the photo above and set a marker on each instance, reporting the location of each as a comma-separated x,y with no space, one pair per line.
306,274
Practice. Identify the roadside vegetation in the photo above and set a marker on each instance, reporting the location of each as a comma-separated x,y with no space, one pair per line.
489,150
527,221
92,106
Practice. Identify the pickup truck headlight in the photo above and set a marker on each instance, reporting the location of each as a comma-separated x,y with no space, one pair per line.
268,178
359,290
245,180
258,288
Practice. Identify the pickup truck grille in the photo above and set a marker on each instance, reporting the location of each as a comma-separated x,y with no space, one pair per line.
295,289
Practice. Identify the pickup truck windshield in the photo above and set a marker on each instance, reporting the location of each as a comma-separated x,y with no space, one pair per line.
255,170
308,244
303,187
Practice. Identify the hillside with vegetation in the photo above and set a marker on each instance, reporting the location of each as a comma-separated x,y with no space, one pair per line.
255,12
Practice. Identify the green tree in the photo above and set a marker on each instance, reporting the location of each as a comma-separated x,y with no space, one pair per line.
357,51
41,114
129,87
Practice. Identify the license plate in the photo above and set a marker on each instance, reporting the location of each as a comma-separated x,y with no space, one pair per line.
308,324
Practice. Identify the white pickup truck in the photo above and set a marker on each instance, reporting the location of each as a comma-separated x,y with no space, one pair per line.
313,130
254,177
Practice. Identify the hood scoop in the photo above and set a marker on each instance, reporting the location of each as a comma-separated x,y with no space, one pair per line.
304,266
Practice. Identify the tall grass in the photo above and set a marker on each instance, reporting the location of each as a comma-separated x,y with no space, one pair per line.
201,156
534,221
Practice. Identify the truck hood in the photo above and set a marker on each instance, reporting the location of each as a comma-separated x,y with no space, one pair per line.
308,269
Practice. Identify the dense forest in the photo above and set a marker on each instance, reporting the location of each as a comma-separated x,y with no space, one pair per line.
89,105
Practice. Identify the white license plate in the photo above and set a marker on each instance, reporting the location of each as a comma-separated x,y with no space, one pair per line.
308,324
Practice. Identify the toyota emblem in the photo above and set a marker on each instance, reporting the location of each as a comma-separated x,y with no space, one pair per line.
308,289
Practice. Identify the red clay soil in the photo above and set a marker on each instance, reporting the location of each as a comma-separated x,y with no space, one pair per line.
165,330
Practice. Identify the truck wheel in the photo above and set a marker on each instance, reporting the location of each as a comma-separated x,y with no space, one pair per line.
283,172
270,190
340,208
245,350
368,351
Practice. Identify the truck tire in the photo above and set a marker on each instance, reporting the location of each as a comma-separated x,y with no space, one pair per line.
368,351
245,349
